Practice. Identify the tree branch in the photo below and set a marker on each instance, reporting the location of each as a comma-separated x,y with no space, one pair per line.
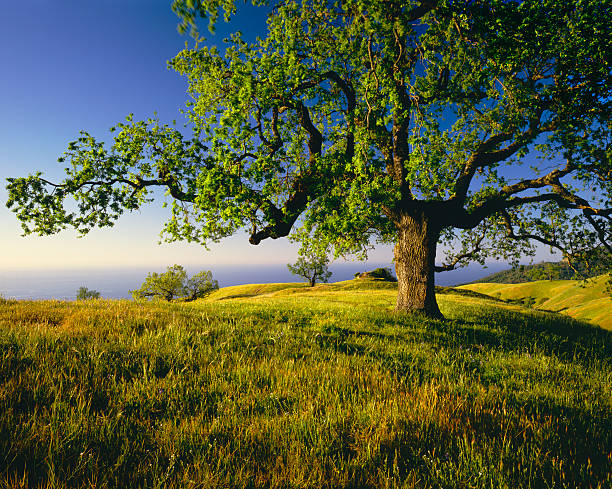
422,9
467,255
528,236
486,154
600,232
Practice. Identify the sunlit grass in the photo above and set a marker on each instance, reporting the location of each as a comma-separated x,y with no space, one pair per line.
585,300
301,387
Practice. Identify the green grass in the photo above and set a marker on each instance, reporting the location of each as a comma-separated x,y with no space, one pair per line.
251,290
587,301
298,387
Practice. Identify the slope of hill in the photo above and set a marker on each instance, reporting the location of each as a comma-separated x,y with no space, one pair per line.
282,385
587,301
251,290
538,271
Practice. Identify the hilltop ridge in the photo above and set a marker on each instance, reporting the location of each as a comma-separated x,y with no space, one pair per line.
548,270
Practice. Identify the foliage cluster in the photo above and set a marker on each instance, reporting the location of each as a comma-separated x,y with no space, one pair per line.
531,273
594,264
312,267
85,294
174,284
318,388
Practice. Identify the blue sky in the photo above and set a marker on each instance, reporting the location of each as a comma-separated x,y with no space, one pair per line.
71,65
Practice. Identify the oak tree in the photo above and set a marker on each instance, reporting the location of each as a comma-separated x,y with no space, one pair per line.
313,267
480,124
83,294
167,285
174,284
200,285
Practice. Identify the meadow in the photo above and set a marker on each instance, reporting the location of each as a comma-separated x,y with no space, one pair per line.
285,386
580,299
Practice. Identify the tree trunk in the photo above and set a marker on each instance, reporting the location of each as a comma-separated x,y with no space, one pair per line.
415,254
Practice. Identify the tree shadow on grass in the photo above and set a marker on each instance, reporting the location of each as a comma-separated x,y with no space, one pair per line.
419,349
579,435
437,451
509,331
550,334
491,328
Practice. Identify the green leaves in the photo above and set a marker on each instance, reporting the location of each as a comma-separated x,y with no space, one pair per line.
174,284
346,117
83,293
311,266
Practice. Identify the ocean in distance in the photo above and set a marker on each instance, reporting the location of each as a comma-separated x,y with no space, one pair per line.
117,283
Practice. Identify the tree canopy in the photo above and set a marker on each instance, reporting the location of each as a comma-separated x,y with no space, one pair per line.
311,266
484,123
83,293
174,284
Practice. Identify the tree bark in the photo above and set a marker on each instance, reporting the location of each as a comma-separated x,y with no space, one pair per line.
415,254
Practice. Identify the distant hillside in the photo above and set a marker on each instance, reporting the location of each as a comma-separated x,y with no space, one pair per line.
532,273
587,301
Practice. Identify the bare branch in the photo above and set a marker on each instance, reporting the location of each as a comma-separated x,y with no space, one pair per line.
600,232
274,145
487,155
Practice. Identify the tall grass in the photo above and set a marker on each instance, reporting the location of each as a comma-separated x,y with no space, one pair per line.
302,389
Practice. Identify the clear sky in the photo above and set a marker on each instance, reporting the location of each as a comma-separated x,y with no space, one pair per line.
71,65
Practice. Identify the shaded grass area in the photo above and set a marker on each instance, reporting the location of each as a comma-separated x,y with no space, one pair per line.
585,300
322,387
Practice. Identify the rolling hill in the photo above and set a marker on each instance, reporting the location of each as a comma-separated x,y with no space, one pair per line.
584,300
561,270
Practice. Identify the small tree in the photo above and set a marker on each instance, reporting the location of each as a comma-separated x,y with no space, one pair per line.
312,268
84,294
167,286
174,284
200,285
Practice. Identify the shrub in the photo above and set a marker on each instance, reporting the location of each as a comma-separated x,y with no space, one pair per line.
174,284
379,274
84,294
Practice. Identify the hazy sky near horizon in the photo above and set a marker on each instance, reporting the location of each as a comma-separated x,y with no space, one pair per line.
72,65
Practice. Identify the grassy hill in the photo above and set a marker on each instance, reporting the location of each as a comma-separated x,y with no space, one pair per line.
599,262
270,386
526,273
586,301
